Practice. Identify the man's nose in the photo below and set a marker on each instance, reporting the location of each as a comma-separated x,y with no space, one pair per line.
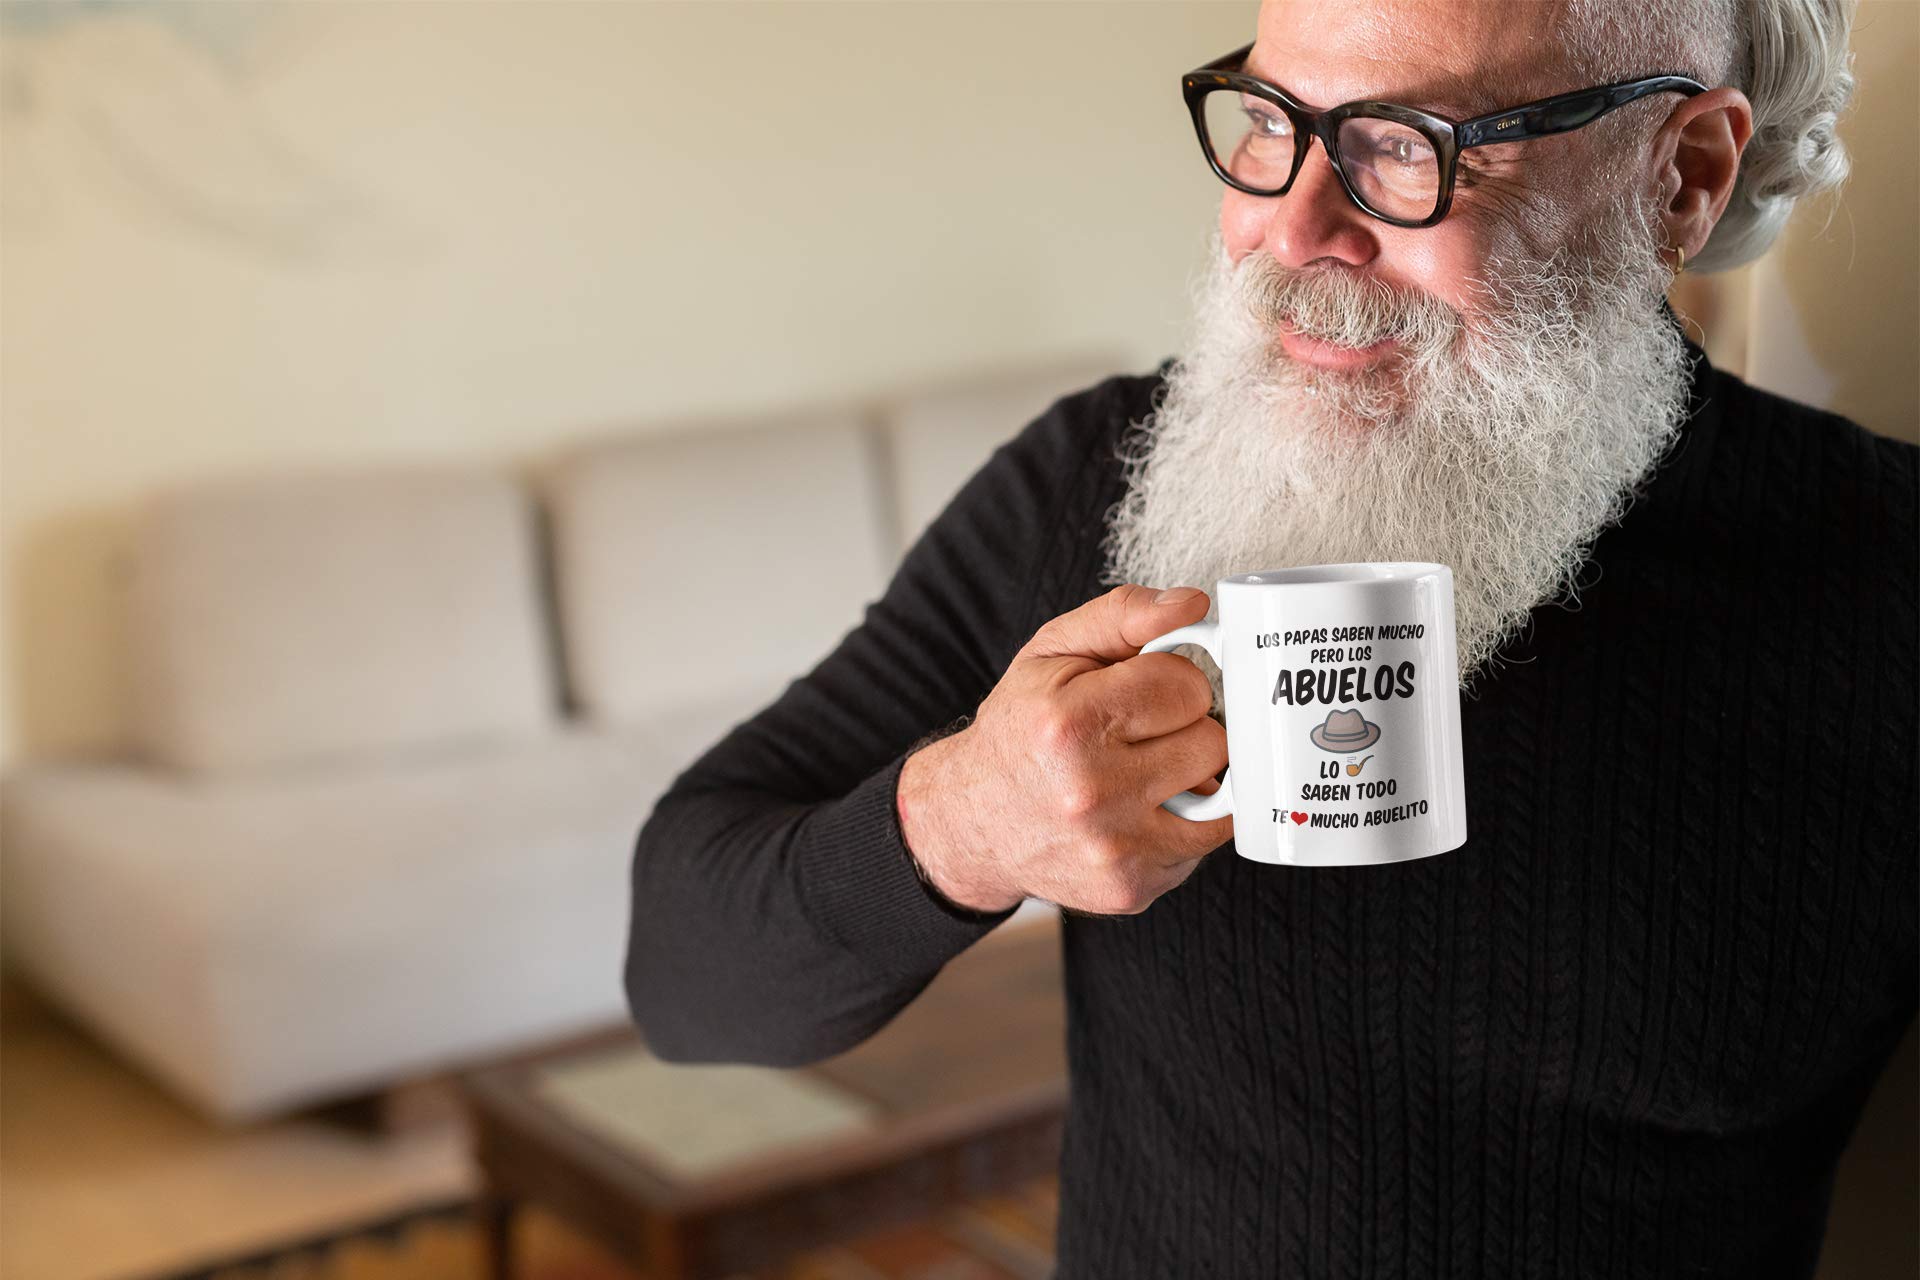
1314,220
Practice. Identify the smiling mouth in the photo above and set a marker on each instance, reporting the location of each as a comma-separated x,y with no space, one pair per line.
1331,355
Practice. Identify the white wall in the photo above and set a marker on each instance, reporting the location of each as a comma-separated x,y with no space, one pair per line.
237,236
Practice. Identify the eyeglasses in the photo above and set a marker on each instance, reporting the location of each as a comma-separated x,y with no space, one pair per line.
1397,163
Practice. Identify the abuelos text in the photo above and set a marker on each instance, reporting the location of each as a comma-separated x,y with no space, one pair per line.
1344,684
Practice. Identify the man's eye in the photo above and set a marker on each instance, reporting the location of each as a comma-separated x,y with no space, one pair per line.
1408,151
1268,123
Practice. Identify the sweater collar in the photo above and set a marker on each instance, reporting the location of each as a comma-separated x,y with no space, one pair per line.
1701,419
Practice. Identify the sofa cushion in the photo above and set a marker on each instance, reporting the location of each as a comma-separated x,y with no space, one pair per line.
263,943
296,617
940,435
695,561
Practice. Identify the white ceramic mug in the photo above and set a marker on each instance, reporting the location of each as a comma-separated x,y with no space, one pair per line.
1342,702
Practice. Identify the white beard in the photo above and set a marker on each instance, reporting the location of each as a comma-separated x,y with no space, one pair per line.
1500,451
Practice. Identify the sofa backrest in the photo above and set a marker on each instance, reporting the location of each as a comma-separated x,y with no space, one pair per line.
695,569
938,435
296,617
706,563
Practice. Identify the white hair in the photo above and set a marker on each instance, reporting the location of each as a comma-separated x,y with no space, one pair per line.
1790,57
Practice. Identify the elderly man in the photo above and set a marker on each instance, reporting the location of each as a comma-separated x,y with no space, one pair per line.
1625,1029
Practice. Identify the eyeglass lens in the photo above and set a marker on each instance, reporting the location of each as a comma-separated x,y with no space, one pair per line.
1391,167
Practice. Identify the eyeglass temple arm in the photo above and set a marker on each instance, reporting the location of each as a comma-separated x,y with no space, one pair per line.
1566,111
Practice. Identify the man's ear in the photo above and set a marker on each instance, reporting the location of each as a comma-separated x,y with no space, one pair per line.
1698,157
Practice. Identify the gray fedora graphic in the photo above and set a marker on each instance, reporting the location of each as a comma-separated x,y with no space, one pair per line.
1345,731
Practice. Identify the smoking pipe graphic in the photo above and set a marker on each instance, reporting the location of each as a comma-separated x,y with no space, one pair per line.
1353,770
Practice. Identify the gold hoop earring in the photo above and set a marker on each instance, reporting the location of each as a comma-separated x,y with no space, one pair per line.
1679,259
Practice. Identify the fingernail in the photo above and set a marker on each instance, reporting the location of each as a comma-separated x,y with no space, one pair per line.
1174,595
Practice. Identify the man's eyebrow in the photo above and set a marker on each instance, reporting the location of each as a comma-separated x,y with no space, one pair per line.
1445,95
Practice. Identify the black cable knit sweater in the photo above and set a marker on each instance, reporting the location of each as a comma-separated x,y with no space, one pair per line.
1626,1030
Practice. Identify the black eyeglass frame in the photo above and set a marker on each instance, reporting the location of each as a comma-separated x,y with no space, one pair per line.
1559,114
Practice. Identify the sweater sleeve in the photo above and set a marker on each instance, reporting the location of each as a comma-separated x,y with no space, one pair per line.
777,915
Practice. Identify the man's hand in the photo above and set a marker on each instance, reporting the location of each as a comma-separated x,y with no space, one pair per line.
1054,790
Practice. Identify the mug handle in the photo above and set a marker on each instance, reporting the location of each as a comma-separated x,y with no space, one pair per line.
1191,805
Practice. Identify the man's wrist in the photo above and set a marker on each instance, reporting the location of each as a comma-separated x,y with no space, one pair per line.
929,842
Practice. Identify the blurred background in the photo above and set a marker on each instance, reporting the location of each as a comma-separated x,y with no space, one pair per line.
381,383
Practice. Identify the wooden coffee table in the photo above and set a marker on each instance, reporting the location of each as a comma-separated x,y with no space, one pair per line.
964,1094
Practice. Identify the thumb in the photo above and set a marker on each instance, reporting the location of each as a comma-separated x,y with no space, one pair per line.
1112,627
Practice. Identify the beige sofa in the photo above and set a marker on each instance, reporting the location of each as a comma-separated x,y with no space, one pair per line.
396,727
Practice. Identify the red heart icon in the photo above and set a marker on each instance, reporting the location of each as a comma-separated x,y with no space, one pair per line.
1298,817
